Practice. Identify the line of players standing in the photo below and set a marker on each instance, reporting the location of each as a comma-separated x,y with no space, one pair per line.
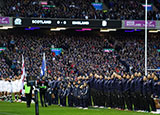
10,87
52,90
135,92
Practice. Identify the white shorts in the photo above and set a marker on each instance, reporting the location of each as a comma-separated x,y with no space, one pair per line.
5,89
2,89
9,90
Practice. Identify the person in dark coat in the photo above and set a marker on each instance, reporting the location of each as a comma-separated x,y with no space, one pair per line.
75,94
145,94
101,90
85,95
132,92
106,94
138,92
150,91
121,103
63,96
43,84
127,93
80,96
55,90
70,95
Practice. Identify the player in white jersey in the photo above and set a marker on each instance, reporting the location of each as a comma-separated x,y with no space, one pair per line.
5,88
19,85
15,88
9,86
14,85
1,88
8,89
18,88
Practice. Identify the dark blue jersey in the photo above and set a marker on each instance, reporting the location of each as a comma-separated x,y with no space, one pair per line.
124,82
156,89
101,85
132,86
119,86
145,88
105,86
127,86
139,84
150,86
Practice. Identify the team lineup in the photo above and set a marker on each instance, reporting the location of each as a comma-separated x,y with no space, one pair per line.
135,92
10,86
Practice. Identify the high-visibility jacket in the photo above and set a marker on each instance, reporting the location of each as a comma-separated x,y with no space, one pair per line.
27,89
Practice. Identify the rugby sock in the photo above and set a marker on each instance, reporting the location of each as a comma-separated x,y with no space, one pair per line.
10,97
16,97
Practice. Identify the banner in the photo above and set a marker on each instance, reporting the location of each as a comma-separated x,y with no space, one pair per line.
4,20
72,23
140,23
97,6
57,51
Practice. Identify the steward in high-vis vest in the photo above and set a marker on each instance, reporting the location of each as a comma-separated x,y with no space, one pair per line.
28,94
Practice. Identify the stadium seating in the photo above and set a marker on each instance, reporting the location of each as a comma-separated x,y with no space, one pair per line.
80,55
81,9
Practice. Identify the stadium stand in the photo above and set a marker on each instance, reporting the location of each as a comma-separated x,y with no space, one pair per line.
82,9
79,53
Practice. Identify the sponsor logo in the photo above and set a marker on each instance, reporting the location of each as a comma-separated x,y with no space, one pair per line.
4,20
104,23
18,21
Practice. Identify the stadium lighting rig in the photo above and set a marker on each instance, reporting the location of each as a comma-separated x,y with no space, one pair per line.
154,31
6,27
57,29
107,30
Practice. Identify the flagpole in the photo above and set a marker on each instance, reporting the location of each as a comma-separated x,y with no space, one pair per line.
146,38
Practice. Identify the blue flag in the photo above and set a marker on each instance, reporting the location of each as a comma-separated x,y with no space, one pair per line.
43,67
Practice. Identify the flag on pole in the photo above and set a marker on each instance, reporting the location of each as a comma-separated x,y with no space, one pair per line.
43,67
22,74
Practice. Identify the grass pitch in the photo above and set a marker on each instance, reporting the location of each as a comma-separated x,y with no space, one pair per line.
7,108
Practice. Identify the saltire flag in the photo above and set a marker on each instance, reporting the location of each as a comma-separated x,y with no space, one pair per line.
22,74
43,67
57,51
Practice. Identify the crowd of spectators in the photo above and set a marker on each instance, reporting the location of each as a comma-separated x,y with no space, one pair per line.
83,9
63,9
129,10
81,54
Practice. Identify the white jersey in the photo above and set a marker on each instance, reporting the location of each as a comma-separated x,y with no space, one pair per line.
19,85
8,86
5,86
14,86
1,85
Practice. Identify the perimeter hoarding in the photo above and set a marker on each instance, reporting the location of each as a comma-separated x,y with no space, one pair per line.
139,24
6,21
